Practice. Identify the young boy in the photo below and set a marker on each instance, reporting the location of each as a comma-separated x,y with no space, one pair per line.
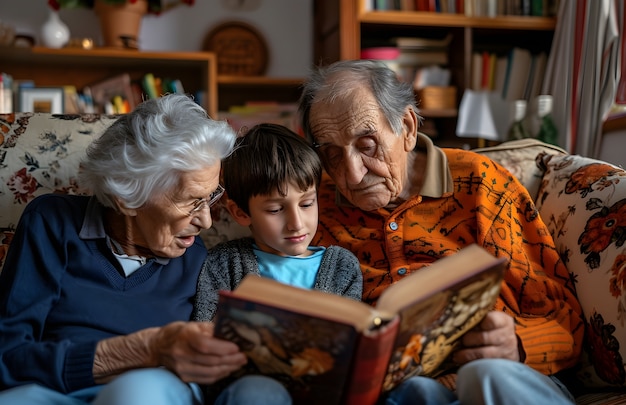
271,180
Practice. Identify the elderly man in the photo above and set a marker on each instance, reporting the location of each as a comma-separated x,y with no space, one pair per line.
399,203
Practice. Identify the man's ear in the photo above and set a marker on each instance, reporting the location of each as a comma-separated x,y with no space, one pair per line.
409,128
121,207
238,214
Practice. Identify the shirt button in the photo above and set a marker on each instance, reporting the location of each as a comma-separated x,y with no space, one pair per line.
402,271
393,226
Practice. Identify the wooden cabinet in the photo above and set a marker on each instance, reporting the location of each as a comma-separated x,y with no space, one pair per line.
358,26
80,68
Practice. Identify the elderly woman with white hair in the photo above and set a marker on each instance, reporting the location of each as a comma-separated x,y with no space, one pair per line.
97,291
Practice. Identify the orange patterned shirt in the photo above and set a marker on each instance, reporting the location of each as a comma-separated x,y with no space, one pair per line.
467,198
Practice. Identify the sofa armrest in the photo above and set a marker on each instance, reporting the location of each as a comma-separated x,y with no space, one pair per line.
583,203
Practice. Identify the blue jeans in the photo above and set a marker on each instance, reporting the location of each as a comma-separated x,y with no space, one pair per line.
156,386
485,381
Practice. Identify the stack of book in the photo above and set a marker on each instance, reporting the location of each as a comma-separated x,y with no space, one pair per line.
417,53
515,75
478,8
407,55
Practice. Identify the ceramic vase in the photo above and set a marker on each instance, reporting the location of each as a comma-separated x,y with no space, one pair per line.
54,32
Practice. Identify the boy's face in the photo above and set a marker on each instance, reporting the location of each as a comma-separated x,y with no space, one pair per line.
285,225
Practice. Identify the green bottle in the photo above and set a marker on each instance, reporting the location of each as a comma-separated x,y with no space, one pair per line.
517,130
547,130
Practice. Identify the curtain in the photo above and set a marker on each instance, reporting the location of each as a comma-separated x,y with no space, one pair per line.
583,71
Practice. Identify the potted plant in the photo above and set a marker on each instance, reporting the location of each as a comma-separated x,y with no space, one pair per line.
120,20
154,6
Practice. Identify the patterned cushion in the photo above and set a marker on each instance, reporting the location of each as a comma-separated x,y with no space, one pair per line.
519,158
583,202
39,153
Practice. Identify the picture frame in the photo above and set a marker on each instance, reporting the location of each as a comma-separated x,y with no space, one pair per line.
42,100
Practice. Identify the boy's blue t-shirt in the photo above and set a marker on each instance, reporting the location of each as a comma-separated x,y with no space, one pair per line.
296,271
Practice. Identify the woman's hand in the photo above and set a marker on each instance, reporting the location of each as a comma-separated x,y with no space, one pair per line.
186,348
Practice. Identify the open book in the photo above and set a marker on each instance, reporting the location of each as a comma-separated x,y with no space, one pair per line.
330,349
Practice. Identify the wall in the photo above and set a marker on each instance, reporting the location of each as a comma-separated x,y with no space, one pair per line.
286,25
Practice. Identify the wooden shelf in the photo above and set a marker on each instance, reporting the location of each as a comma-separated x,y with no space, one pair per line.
428,19
80,67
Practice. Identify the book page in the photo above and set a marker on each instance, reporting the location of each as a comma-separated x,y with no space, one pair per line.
438,276
311,302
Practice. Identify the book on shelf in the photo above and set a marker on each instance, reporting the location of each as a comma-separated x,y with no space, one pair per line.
70,101
476,71
495,8
500,74
330,349
469,8
535,80
423,43
518,74
148,84
420,58
118,87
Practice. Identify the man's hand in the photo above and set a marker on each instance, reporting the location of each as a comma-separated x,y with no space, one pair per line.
494,337
186,348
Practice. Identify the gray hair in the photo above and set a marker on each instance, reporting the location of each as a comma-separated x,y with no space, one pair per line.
143,153
340,79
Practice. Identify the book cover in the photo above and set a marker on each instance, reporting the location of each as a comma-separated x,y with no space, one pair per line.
476,71
500,74
148,85
330,349
518,72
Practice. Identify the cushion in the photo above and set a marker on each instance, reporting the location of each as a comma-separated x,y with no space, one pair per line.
583,203
519,158
39,153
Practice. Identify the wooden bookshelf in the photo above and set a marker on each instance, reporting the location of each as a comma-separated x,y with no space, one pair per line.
81,67
359,26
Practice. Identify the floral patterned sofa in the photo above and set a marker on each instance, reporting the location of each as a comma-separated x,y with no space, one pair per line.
583,202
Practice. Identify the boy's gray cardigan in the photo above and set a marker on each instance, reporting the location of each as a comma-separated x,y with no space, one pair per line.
228,262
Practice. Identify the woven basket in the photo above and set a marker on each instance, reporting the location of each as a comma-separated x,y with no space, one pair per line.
436,97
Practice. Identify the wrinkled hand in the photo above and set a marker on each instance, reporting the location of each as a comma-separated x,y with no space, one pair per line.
494,337
186,348
190,350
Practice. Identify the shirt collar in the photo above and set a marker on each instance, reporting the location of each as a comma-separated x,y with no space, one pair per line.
437,178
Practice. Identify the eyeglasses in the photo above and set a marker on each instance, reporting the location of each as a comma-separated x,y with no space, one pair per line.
199,204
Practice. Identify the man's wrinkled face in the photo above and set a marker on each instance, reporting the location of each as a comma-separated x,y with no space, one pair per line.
360,152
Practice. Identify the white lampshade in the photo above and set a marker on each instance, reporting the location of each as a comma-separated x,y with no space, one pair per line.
483,114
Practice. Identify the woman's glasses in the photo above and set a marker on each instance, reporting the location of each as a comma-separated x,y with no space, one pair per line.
199,204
